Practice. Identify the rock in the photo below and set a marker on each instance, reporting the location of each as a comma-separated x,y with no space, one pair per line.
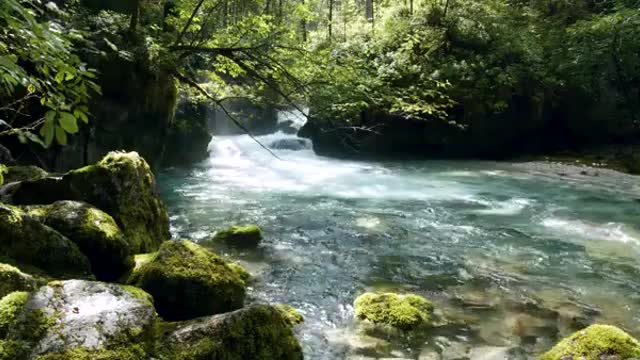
452,350
95,232
404,312
187,281
428,354
593,343
29,242
289,144
188,141
287,127
254,332
12,279
240,236
496,353
78,319
290,314
358,342
121,184
21,173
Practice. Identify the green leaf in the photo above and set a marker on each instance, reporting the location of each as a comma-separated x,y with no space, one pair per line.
79,114
47,132
61,136
34,138
68,122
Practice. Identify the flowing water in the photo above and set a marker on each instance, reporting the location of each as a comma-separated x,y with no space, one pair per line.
510,254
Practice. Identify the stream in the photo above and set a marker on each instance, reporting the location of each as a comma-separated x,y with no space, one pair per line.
512,255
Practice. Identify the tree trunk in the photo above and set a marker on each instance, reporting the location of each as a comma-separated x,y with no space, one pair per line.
330,18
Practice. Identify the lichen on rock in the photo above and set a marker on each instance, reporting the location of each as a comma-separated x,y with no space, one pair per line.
12,279
240,236
254,332
594,343
404,312
94,231
27,241
187,281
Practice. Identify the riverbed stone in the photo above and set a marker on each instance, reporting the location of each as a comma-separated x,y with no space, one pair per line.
77,319
26,241
188,281
12,279
94,231
404,312
255,332
21,173
121,184
242,236
594,342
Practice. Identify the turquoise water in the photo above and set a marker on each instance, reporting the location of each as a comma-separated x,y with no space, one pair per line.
511,255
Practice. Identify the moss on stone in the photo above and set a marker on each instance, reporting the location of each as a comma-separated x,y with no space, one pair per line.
27,241
238,269
593,343
96,233
240,236
187,281
22,173
405,312
10,308
290,314
12,279
133,352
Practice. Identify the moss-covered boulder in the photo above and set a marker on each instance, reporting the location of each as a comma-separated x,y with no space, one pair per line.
187,281
77,320
290,314
244,236
12,279
94,231
404,312
25,240
594,343
254,332
121,184
21,173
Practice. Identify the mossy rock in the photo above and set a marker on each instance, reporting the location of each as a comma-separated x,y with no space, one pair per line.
187,281
12,279
78,320
290,314
94,231
121,184
22,173
404,312
245,236
255,332
594,343
27,241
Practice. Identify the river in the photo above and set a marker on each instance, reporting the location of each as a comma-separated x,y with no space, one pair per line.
512,255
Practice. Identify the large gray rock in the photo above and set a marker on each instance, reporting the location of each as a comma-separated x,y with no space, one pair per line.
254,332
77,319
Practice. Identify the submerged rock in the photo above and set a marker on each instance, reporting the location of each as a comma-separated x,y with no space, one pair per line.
187,281
594,343
404,312
21,173
27,241
95,232
12,279
121,184
289,144
255,332
240,236
77,320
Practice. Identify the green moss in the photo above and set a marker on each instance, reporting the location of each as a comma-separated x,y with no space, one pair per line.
238,269
241,236
12,279
10,309
405,312
143,259
594,342
133,352
22,173
139,294
290,314
20,327
187,281
27,241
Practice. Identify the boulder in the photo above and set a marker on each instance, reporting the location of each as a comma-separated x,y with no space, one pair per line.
290,314
95,232
21,173
12,279
595,342
26,241
254,332
287,127
77,319
187,281
289,144
240,236
403,312
121,184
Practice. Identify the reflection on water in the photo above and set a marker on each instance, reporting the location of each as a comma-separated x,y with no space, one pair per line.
510,255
